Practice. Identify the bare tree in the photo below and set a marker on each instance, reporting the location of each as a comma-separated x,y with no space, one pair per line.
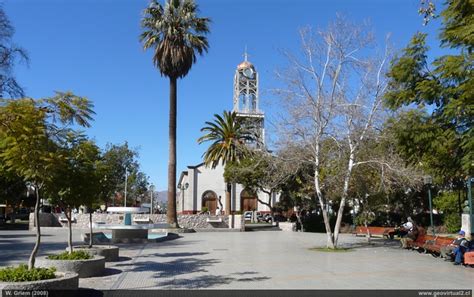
333,94
9,55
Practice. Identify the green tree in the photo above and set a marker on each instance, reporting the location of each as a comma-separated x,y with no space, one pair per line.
228,135
76,180
439,134
447,203
260,172
116,161
176,34
12,189
29,131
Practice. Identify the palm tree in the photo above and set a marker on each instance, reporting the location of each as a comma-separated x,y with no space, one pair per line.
176,34
228,135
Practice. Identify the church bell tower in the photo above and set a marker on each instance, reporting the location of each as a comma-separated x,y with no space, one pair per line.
246,100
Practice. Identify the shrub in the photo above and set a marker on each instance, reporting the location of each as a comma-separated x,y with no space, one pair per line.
75,255
22,274
452,222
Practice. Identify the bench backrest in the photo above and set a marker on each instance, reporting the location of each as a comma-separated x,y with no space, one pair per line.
444,240
373,230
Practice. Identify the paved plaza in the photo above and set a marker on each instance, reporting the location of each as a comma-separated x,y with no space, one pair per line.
254,260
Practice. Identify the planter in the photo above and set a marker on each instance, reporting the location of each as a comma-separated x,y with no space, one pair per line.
63,281
109,252
84,268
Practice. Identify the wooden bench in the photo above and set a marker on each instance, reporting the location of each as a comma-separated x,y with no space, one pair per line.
420,241
469,258
374,231
434,246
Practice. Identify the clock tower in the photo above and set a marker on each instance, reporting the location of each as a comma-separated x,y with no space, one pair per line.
246,100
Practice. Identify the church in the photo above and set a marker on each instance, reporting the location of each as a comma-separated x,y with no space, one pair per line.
203,188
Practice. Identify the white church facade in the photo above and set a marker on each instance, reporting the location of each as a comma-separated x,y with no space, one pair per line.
203,188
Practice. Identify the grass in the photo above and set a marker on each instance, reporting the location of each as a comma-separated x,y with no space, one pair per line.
75,255
22,274
336,250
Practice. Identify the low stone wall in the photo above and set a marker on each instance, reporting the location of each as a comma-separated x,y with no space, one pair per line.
63,281
82,220
84,268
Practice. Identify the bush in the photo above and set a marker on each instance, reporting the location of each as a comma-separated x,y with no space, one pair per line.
75,255
22,274
452,222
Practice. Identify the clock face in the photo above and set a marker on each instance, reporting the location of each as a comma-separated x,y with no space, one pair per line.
248,72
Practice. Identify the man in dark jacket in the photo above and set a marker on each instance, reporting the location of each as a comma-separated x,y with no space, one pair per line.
461,249
447,252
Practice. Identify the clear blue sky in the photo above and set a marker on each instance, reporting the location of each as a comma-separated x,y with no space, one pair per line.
91,47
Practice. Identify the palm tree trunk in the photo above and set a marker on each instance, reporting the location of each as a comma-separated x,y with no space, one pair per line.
31,262
171,213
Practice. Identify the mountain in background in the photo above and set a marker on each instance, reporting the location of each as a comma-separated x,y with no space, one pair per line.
161,196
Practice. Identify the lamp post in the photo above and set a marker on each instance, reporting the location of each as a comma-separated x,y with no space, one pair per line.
125,196
152,188
470,180
428,180
183,188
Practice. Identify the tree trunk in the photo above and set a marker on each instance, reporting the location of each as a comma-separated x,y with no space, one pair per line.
368,231
31,261
90,229
171,213
69,226
228,202
319,194
298,218
345,190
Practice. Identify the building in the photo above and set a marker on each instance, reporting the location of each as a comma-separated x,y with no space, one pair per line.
204,187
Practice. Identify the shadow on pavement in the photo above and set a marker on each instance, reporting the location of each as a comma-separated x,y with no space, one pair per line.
122,259
172,268
374,243
176,255
110,271
14,226
21,235
206,281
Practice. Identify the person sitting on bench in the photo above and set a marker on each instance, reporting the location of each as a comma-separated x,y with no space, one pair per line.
460,249
447,252
408,232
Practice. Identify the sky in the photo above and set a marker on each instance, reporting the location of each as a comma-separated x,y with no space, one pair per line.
91,47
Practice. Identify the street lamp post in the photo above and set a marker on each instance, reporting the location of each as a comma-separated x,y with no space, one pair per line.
151,198
428,180
183,188
125,196
470,179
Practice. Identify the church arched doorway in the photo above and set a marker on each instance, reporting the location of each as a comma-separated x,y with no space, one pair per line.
209,201
248,201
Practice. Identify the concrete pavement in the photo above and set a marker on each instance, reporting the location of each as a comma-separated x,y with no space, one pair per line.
255,260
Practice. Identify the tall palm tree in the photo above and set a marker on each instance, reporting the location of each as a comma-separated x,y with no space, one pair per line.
176,34
228,134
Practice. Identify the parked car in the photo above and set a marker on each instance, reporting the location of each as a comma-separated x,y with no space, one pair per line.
248,215
267,218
